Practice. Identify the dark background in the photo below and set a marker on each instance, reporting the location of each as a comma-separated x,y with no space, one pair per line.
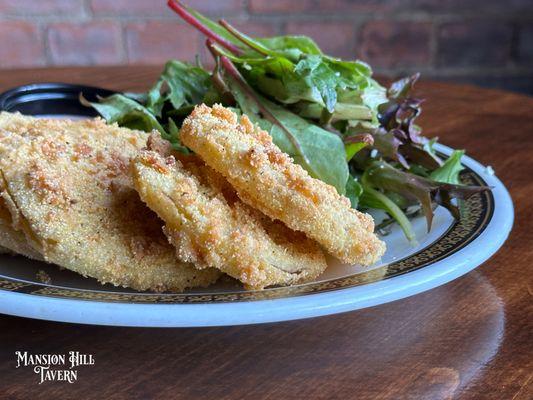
485,42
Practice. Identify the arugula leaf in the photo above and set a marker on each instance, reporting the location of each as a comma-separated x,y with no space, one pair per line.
126,112
181,84
292,47
449,171
314,81
321,76
304,44
276,78
272,76
314,78
352,72
324,150
317,150
357,86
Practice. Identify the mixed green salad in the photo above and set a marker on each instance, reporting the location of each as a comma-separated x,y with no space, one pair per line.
328,114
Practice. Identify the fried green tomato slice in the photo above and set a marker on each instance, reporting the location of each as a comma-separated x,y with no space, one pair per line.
268,179
211,227
70,187
13,241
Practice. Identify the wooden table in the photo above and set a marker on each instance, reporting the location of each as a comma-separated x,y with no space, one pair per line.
469,339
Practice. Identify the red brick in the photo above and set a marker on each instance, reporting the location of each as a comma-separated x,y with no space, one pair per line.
334,38
41,7
93,43
280,6
155,42
391,44
366,6
473,43
216,7
256,29
22,45
143,8
461,6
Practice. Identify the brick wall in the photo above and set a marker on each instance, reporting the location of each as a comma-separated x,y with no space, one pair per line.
487,42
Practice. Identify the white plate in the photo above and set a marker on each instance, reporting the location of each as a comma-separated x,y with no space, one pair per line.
450,250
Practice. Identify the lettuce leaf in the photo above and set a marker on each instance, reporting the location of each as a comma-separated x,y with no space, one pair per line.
181,84
450,170
125,112
321,153
426,191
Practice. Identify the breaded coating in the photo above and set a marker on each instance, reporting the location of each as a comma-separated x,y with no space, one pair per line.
71,193
211,227
269,180
13,241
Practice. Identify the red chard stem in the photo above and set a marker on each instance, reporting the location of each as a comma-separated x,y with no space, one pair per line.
182,11
244,38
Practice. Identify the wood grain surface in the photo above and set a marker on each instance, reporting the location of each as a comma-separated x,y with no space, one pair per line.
469,339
